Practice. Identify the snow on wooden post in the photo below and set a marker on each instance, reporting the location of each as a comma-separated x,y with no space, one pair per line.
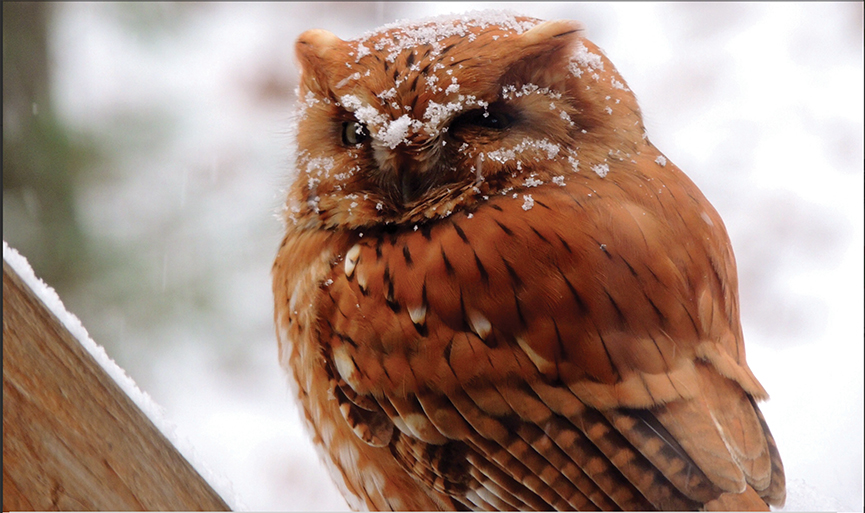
72,439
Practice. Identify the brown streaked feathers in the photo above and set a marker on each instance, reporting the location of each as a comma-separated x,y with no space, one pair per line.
494,293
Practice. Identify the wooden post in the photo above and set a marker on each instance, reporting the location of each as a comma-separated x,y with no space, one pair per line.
72,440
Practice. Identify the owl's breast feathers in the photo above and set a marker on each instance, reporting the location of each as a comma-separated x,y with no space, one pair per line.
584,353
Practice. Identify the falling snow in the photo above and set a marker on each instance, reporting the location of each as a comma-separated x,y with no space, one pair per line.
819,437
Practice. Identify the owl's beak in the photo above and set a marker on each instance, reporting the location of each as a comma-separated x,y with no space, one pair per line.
411,186
406,171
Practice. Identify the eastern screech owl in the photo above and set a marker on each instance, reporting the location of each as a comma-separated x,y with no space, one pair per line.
495,293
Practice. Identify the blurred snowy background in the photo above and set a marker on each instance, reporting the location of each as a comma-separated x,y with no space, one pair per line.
144,150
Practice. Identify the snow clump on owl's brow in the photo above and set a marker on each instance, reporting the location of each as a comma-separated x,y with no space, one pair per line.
432,31
410,35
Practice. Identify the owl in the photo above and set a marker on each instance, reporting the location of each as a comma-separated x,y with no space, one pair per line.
494,293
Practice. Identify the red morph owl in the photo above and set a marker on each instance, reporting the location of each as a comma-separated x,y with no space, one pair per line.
494,293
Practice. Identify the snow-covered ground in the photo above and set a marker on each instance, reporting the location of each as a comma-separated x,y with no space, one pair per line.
761,104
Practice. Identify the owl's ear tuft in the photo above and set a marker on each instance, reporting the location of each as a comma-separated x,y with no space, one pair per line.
315,50
316,43
554,29
544,50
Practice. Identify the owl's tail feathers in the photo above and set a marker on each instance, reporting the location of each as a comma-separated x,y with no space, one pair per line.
776,493
721,432
748,500
715,447
724,433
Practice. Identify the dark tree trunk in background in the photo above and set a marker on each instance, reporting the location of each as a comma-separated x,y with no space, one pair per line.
40,162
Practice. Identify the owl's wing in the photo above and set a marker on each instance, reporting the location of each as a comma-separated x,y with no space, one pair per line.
583,354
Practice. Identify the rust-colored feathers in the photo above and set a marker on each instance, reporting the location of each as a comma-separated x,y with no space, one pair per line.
495,293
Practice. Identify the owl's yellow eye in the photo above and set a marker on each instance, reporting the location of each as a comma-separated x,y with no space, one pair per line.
353,133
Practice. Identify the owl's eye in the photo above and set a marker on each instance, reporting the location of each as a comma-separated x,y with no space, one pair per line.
353,133
491,118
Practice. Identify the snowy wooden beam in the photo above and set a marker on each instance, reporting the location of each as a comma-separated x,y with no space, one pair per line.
72,439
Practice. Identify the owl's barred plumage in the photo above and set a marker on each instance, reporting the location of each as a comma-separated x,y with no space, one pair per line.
495,293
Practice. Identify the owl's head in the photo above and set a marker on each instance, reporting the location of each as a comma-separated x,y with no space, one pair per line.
415,121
